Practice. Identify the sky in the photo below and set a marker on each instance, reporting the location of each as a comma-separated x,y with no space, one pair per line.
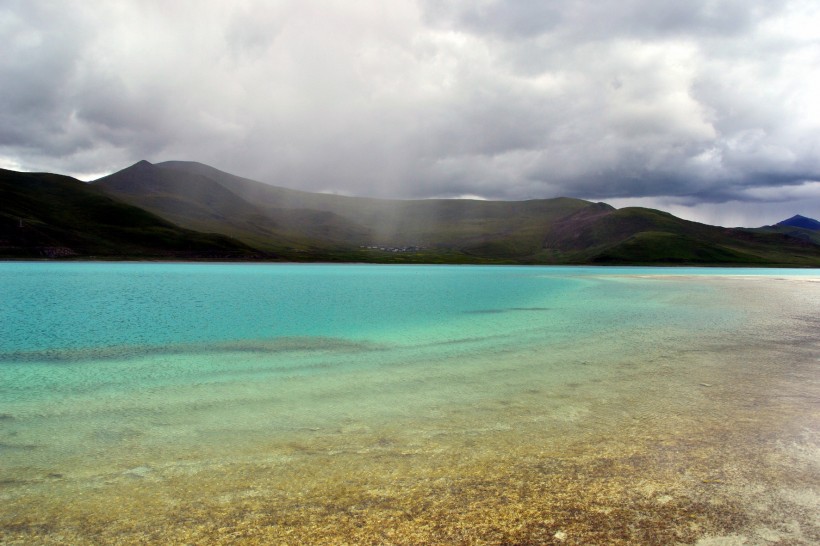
707,109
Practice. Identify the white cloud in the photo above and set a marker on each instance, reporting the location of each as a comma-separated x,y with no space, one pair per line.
712,101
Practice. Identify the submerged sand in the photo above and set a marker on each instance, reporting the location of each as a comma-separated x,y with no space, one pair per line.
675,440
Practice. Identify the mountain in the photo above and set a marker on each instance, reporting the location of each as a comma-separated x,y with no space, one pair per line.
306,226
797,227
647,236
309,226
188,210
49,215
801,222
205,203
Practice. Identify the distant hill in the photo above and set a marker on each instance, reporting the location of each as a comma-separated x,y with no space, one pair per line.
801,222
797,227
190,210
204,202
303,225
52,216
647,236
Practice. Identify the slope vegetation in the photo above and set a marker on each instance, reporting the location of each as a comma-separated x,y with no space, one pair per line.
49,215
538,231
163,209
306,225
602,234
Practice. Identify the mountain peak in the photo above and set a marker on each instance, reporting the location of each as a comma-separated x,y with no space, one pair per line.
135,178
801,222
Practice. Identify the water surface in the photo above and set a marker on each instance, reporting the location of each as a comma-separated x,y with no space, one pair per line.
407,404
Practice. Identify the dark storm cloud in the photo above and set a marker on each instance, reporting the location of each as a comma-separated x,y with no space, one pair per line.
656,98
668,103
38,66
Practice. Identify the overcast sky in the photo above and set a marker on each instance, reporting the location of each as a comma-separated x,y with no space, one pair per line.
706,108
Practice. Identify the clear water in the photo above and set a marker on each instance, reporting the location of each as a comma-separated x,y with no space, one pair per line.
118,379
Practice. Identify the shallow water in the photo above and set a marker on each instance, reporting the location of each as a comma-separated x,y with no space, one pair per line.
208,403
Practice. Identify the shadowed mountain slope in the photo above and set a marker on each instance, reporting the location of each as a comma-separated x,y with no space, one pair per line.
303,225
796,227
49,215
147,210
505,228
198,201
602,234
291,221
538,231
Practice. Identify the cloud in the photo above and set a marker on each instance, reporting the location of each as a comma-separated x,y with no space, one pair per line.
709,101
580,20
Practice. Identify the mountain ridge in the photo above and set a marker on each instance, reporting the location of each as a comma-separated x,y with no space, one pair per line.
261,221
45,215
559,230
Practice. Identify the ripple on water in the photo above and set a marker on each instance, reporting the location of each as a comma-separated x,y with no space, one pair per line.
505,433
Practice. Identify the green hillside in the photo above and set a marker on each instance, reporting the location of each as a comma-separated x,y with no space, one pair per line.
809,235
449,221
49,215
302,224
636,235
199,202
556,231
193,211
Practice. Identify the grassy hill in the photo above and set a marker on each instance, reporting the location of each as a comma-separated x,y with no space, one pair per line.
302,225
199,202
646,236
49,215
163,209
449,221
804,234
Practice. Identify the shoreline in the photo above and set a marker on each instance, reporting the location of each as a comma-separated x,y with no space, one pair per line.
671,265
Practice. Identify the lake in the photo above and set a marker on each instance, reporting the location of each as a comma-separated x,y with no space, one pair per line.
385,404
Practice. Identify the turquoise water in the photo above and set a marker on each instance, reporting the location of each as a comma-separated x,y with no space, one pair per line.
96,344
114,370
58,307
75,330
48,310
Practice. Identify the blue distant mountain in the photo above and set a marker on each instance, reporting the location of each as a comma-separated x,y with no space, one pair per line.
801,222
